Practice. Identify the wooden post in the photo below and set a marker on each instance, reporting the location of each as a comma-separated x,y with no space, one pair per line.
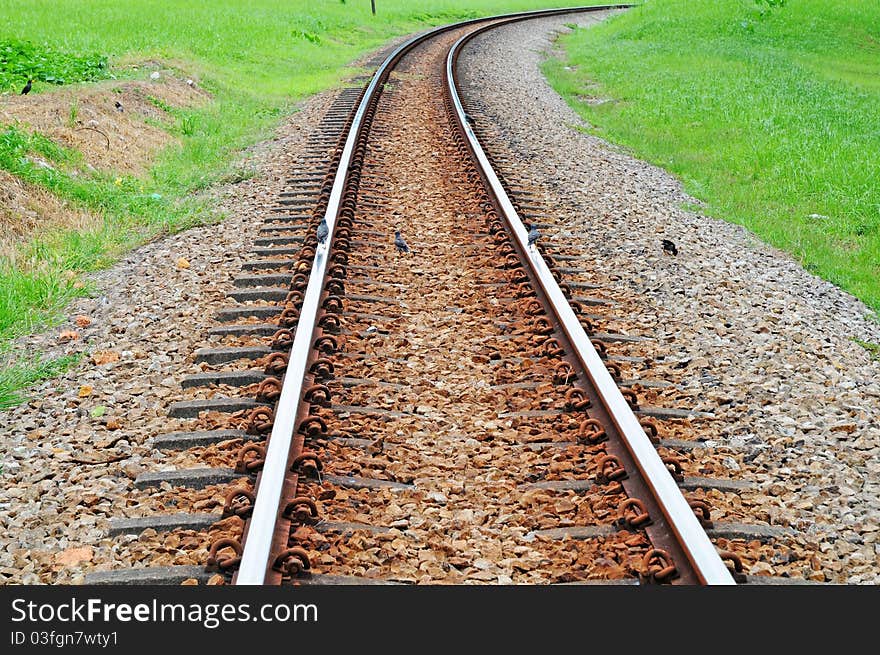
373,6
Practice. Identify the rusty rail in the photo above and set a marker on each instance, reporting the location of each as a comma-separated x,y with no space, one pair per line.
265,553
647,479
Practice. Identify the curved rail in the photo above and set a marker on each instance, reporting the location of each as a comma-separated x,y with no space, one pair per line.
261,531
690,535
262,538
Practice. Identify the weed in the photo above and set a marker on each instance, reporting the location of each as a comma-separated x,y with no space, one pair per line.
307,36
23,60
72,114
160,104
25,373
872,348
188,125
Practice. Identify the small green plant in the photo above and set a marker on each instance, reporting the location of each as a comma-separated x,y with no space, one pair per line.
763,9
160,104
72,114
188,125
771,4
308,36
872,348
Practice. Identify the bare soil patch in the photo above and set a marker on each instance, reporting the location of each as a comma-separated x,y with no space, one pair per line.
122,140
26,209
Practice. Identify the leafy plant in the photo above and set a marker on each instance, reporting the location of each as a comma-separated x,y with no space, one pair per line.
308,36
160,104
23,60
764,7
188,125
772,4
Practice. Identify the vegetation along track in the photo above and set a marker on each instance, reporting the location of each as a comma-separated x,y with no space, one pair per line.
451,414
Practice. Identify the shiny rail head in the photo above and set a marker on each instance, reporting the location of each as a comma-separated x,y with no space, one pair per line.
257,556
702,555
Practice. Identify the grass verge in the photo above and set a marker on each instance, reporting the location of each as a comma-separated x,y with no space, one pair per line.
37,283
769,112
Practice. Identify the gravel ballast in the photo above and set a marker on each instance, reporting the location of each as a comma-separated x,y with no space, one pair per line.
741,328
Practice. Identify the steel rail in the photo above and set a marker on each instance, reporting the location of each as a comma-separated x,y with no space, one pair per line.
700,551
260,530
255,559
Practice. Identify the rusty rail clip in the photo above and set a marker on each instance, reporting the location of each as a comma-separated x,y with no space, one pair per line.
657,567
217,562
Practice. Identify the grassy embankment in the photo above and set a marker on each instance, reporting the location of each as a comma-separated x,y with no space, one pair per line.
257,59
768,111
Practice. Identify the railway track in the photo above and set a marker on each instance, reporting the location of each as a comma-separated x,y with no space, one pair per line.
452,414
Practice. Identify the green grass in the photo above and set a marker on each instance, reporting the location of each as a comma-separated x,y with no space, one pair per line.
258,59
769,112
37,284
24,374
21,61
872,348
